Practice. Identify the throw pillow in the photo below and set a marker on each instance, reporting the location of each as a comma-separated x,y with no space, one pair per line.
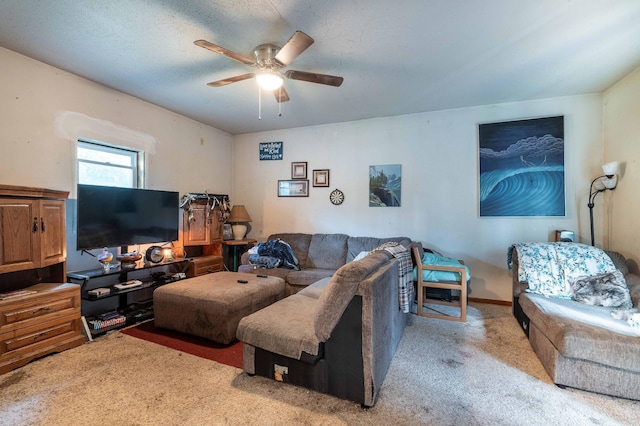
360,256
608,289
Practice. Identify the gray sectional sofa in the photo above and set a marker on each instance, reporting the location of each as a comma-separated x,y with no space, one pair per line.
337,335
319,256
582,346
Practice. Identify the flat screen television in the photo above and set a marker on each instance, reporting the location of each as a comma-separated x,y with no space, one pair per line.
118,217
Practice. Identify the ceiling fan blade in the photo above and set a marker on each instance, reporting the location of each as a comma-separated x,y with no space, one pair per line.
225,52
297,44
230,80
329,80
281,95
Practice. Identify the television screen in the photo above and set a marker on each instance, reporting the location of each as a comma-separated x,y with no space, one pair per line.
113,217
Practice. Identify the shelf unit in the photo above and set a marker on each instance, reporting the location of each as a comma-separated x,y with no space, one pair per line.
172,271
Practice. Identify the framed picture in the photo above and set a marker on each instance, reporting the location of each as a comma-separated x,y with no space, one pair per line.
299,170
522,167
321,177
293,188
385,185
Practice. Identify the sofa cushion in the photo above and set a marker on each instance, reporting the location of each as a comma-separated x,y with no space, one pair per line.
356,245
584,332
273,272
619,261
285,328
633,284
306,277
299,244
327,251
315,290
340,290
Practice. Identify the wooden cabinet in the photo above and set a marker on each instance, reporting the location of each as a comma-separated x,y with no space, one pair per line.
44,320
202,236
32,228
202,226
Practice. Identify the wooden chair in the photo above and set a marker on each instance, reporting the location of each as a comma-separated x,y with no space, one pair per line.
461,286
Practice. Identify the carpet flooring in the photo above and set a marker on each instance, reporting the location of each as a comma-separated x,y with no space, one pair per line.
225,354
482,372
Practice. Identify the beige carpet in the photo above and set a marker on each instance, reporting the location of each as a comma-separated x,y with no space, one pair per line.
482,372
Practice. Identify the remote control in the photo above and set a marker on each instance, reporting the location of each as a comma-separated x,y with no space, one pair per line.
243,281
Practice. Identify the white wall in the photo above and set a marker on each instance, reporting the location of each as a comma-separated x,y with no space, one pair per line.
622,143
439,156
43,111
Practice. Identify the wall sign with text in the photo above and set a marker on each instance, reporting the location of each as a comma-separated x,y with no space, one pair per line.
270,151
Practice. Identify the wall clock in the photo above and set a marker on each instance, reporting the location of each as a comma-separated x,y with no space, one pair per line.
154,254
336,197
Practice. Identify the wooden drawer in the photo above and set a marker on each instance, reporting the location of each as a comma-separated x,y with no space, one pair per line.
51,301
40,323
37,338
204,265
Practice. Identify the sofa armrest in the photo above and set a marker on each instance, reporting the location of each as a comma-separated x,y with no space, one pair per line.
633,283
517,286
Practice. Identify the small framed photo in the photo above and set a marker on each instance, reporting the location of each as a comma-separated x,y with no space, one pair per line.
293,188
321,177
299,170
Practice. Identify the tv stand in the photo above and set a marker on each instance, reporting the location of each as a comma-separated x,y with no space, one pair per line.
120,311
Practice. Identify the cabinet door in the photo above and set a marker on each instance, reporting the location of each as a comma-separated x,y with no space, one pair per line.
52,232
217,226
19,235
197,230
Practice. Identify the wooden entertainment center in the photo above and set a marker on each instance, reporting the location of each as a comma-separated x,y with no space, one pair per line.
202,236
39,313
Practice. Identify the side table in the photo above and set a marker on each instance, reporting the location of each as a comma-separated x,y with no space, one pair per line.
235,244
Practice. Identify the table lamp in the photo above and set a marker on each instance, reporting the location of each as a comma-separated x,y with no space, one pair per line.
238,219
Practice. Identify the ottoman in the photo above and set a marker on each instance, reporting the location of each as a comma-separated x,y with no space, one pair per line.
212,305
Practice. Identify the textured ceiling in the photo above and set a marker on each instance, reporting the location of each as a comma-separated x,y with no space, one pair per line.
396,57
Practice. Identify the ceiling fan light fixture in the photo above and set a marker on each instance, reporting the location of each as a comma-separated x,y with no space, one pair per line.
269,80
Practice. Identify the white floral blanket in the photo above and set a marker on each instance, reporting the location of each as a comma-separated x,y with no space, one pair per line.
549,268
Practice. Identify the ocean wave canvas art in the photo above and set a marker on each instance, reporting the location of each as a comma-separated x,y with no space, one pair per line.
522,168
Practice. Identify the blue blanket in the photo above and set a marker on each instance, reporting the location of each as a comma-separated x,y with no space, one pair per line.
279,250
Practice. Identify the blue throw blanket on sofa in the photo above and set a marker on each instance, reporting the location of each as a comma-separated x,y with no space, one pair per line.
273,254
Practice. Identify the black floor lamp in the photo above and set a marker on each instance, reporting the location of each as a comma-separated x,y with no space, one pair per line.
600,184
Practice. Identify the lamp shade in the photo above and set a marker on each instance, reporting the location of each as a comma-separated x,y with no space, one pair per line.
269,80
610,169
239,214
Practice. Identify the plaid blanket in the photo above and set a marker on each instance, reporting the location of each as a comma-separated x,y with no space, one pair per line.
405,272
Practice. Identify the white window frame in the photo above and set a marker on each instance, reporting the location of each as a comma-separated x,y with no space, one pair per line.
136,156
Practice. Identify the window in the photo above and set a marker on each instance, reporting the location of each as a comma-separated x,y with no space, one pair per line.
102,164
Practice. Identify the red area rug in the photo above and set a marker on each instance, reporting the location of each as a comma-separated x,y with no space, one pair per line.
225,354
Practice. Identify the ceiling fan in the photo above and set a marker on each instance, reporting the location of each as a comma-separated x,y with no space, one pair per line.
270,60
